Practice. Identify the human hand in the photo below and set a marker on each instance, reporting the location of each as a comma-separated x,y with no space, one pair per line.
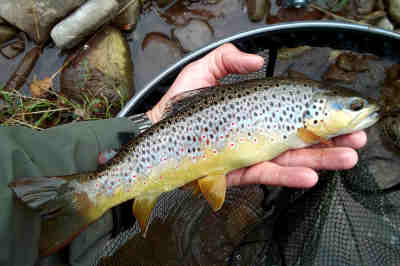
295,168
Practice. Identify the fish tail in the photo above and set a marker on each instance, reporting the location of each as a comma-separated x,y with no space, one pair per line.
65,210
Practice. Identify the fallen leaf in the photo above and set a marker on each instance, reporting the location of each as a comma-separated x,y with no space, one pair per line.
40,88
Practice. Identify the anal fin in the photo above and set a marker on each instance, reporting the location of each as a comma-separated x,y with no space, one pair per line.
142,207
213,188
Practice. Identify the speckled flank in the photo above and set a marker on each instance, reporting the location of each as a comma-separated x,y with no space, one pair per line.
222,118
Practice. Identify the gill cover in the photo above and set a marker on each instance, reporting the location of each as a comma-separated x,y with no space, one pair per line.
339,111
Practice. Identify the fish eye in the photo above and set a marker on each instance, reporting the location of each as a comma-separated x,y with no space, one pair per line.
356,105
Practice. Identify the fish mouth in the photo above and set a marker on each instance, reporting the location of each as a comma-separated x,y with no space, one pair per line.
366,118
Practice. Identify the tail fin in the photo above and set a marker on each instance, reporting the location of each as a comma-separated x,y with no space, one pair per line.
66,211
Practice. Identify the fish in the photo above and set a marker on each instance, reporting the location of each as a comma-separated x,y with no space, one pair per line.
203,135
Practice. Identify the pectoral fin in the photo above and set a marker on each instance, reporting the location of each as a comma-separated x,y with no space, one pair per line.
194,187
309,137
213,189
142,207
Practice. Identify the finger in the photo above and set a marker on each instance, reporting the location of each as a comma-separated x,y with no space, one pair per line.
274,175
354,140
337,158
227,59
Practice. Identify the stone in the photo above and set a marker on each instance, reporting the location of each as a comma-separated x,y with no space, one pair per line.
128,19
82,22
394,10
7,33
195,34
22,13
102,71
385,24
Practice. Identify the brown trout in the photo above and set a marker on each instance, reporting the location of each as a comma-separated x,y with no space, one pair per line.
205,134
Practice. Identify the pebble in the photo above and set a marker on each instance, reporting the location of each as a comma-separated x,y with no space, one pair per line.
195,34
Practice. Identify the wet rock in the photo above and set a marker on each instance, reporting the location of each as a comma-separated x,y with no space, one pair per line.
385,24
390,92
158,52
394,10
102,71
336,74
82,22
7,33
296,75
180,13
294,14
256,9
193,35
365,6
348,61
290,53
374,17
128,19
13,49
390,129
36,18
163,3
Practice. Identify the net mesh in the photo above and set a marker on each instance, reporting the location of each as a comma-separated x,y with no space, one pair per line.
346,219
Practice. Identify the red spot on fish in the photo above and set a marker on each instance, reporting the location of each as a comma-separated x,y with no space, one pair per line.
233,123
119,180
222,137
161,177
200,139
204,156
134,176
208,142
214,151
241,139
149,167
182,149
232,144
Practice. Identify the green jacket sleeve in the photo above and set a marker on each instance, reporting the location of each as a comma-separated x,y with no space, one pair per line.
60,150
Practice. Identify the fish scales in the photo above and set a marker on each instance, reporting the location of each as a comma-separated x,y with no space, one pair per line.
214,123
202,137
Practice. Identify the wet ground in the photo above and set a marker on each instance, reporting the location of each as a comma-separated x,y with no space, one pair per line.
231,18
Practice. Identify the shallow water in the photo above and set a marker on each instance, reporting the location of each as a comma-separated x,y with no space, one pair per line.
232,20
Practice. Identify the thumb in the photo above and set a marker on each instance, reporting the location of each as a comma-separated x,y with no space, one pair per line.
227,59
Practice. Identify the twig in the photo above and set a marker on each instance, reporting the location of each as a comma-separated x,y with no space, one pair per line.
64,66
337,17
45,111
35,19
24,123
127,5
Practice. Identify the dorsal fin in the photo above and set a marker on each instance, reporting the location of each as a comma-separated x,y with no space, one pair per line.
187,98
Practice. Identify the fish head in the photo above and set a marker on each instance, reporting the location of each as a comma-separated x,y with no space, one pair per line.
339,111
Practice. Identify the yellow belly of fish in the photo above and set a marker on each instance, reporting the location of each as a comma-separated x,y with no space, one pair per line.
210,171
171,175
